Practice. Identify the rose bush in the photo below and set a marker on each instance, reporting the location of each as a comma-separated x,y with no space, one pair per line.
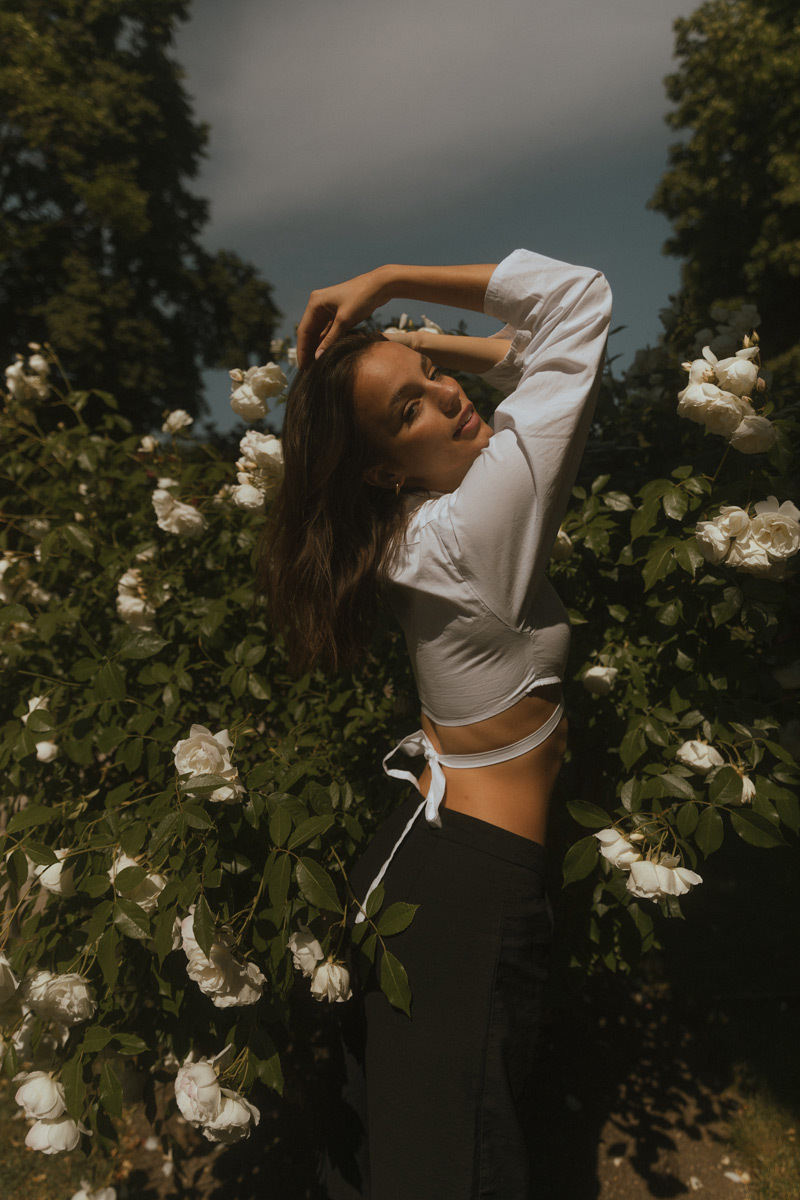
181,814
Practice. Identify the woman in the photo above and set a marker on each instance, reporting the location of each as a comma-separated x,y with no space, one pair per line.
393,481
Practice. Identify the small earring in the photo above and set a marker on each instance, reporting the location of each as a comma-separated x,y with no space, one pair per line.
397,488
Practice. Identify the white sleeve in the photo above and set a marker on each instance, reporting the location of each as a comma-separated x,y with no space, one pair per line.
504,517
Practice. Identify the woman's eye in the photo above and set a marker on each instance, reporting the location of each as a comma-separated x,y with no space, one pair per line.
410,413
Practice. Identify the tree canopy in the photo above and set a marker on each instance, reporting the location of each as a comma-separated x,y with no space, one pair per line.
99,233
732,190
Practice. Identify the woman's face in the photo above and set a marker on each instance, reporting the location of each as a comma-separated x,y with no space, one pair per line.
424,431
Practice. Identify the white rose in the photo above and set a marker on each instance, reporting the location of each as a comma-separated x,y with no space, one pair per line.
245,496
599,680
700,371
132,604
40,1095
46,1045
732,520
8,980
38,364
148,444
651,880
776,527
699,756
726,413
66,999
619,852
694,401
223,978
53,1137
46,751
331,981
262,450
232,1122
754,435
146,893
175,517
748,555
738,374
431,326
562,548
55,877
266,382
246,404
712,540
306,951
176,420
207,753
197,1092
748,790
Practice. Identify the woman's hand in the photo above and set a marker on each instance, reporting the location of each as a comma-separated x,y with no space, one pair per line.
331,311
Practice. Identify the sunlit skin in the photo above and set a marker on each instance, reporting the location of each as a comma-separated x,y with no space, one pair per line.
411,414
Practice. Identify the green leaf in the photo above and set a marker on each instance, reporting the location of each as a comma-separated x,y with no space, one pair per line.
394,982
132,920
310,828
723,611
675,503
39,854
688,556
197,817
129,878
110,683
709,831
726,786
630,794
280,825
396,918
110,1090
17,868
77,537
676,785
95,1038
34,814
660,561
271,1073
129,1043
633,745
375,901
278,880
580,859
317,886
788,808
166,829
756,829
143,645
588,814
14,614
644,518
688,816
204,926
74,1088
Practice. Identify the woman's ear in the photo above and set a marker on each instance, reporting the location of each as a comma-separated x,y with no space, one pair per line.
381,477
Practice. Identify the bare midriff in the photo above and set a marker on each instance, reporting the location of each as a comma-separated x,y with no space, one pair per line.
514,794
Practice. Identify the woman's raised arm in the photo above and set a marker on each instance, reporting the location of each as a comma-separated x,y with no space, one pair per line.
331,311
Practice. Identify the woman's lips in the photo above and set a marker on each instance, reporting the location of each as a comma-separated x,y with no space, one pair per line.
469,427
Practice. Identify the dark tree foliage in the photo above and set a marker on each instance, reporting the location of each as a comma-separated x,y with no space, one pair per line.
99,233
732,190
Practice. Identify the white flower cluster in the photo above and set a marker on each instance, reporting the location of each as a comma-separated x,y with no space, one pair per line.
220,1113
701,758
207,753
330,980
599,680
46,750
134,606
648,879
227,981
173,516
145,893
718,396
42,1098
66,999
176,420
258,471
28,381
254,388
758,545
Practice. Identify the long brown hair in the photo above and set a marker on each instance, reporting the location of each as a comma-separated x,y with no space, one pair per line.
328,531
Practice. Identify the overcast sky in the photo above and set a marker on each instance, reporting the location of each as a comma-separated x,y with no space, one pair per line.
346,133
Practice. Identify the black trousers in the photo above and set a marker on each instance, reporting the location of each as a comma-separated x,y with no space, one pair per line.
432,1105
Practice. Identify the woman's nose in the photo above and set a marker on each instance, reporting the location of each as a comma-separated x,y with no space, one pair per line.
449,397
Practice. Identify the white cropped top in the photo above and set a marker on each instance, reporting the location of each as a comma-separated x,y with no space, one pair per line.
482,623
